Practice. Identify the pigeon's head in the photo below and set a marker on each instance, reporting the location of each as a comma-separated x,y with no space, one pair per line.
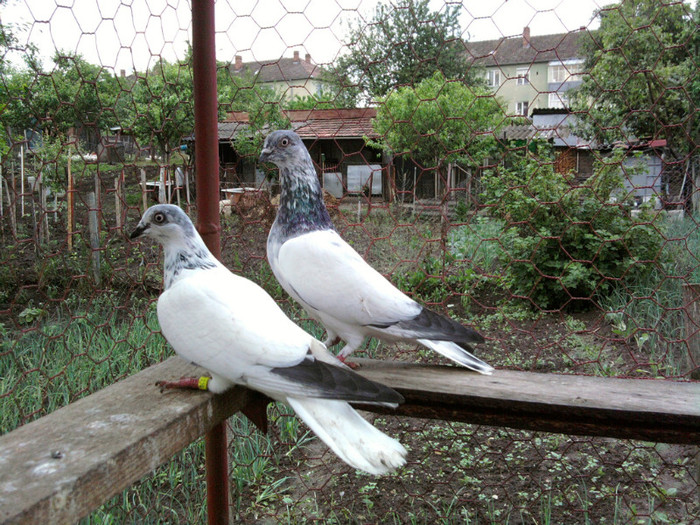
283,148
164,223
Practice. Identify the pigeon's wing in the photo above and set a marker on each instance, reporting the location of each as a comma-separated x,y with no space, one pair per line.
228,324
329,276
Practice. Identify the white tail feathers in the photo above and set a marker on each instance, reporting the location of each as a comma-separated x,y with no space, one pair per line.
349,435
458,354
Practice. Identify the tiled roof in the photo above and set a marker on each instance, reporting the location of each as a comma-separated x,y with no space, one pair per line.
314,123
333,123
544,48
282,69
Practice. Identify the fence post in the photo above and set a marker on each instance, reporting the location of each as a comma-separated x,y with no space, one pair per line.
94,232
144,191
118,200
208,220
70,203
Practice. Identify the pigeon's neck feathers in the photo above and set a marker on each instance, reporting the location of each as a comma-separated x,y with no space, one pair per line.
301,208
185,252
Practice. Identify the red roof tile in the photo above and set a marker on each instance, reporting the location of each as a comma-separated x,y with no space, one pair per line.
318,123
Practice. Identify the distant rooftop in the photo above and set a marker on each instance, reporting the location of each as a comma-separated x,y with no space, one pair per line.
282,69
526,49
313,123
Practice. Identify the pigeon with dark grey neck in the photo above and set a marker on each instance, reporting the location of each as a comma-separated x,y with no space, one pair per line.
330,279
234,329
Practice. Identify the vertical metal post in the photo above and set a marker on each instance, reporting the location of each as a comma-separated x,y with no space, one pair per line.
208,224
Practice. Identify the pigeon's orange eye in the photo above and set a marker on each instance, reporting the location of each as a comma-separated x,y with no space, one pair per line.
159,218
284,142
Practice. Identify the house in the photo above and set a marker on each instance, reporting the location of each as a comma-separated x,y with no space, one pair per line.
575,155
530,72
335,140
290,77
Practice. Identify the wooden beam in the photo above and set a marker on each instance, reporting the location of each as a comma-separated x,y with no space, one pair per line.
59,468
62,466
651,410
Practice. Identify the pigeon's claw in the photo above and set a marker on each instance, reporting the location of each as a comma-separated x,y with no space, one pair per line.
349,364
191,383
332,341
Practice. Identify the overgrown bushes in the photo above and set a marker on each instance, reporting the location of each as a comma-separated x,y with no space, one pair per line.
568,243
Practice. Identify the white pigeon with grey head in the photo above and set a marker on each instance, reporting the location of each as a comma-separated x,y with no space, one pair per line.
331,280
233,328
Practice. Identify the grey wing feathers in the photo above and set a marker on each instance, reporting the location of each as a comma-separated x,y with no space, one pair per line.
332,382
430,325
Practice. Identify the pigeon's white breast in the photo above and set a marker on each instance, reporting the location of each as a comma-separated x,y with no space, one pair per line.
228,324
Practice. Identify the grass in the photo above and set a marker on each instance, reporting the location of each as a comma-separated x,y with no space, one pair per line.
481,243
54,362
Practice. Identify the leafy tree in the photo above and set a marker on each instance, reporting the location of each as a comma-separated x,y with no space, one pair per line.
565,244
262,104
263,116
7,41
75,94
163,111
642,75
439,121
403,44
8,85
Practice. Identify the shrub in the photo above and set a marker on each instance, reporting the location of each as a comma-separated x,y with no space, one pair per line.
569,242
437,280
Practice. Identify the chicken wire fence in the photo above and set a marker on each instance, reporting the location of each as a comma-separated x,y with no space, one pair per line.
528,168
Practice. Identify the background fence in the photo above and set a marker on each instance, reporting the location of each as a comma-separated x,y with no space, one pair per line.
541,185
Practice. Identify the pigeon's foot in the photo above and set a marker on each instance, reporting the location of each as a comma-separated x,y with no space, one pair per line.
191,383
332,342
349,364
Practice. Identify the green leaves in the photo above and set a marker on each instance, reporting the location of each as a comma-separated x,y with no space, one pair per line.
438,121
641,74
401,45
569,243
163,113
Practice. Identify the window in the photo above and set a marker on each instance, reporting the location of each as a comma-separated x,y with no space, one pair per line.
558,100
568,72
555,101
521,108
523,74
558,73
493,77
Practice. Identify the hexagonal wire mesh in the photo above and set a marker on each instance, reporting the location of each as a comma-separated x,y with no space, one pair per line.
537,183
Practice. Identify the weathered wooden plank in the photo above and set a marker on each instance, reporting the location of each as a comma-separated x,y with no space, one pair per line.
652,410
60,467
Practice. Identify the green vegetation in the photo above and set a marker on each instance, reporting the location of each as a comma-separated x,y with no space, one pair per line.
561,276
570,243
641,76
78,349
412,121
401,45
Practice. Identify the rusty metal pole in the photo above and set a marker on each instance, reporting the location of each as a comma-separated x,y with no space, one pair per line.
208,223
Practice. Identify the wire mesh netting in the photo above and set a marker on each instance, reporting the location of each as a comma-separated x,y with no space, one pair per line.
528,168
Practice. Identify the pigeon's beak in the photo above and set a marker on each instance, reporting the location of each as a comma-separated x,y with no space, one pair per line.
265,155
138,232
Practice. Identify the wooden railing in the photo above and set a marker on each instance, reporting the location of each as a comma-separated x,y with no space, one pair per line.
60,467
